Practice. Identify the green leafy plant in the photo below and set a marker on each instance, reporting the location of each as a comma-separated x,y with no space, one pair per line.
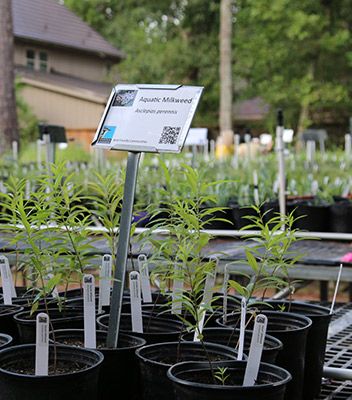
105,195
268,254
180,254
221,375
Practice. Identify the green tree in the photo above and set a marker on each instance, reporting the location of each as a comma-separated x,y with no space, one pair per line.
165,41
8,116
296,55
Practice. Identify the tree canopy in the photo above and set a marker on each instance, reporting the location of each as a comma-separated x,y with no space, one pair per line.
292,54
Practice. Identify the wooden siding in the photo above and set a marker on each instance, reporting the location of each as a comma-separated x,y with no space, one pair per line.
63,109
66,62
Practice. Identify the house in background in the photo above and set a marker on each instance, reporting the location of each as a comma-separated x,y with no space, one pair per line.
63,63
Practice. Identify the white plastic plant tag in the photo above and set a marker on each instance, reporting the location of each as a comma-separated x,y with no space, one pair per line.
212,149
236,151
7,281
255,351
105,282
224,291
242,328
336,289
136,302
346,190
27,189
42,345
348,144
200,325
89,311
276,185
210,283
143,268
6,285
255,187
315,187
54,292
206,150
177,291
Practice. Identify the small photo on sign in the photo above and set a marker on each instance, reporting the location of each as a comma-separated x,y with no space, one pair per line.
106,134
124,98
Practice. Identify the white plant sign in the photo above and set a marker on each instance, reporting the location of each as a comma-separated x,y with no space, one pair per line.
147,118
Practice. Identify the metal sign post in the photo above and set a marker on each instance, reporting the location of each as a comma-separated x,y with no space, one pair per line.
281,163
122,248
137,119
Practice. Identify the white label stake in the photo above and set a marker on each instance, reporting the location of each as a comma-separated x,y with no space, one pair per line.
105,282
6,285
210,283
6,281
242,328
145,280
9,273
201,318
255,351
224,290
256,189
177,290
336,289
89,312
42,345
136,302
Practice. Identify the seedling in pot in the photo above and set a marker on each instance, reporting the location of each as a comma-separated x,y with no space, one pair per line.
221,375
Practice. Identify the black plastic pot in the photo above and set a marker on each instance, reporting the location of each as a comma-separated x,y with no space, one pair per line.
155,329
5,340
25,298
79,384
220,220
192,381
163,214
239,214
311,217
270,209
164,311
7,322
233,301
340,215
292,330
316,341
155,359
77,303
119,370
65,319
230,337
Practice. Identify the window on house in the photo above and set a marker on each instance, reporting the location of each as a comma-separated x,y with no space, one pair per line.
43,61
30,56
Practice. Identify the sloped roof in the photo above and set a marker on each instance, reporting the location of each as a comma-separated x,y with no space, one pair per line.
47,21
250,110
98,91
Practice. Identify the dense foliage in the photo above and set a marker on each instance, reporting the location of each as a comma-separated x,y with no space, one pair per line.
293,54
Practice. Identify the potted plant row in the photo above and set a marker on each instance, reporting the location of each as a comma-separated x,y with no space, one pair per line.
185,274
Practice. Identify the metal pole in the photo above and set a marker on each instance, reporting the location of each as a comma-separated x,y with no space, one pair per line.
46,138
281,162
337,373
122,249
